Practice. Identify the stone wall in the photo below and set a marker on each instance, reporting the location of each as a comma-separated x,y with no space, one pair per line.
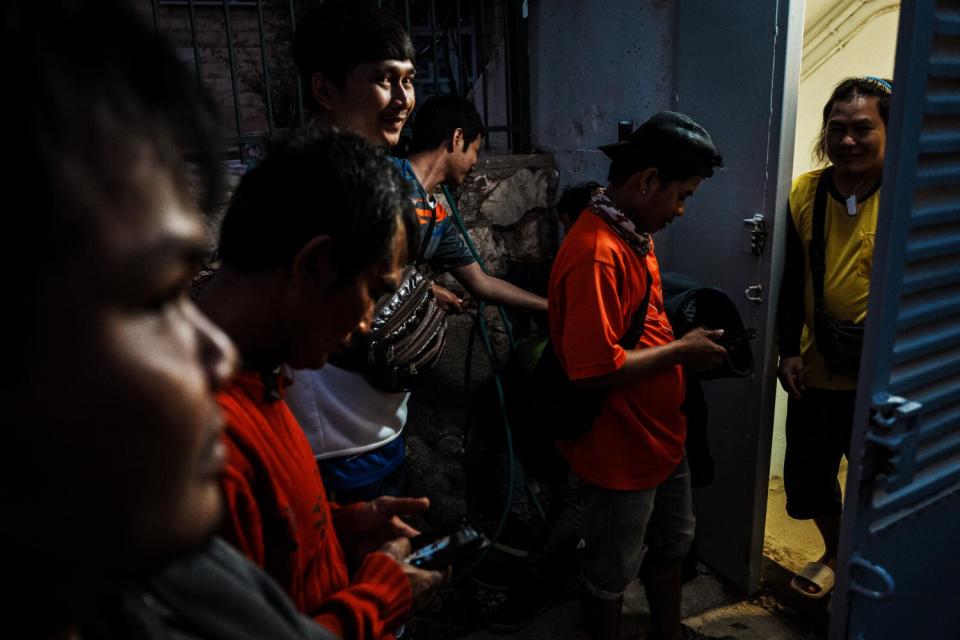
506,205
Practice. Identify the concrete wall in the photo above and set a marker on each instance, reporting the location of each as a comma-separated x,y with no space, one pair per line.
591,65
868,49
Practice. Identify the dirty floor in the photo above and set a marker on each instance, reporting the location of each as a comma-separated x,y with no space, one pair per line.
791,543
709,605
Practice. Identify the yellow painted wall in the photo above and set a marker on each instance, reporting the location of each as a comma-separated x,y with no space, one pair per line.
870,52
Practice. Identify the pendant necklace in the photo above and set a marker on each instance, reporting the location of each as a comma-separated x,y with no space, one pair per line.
852,199
852,204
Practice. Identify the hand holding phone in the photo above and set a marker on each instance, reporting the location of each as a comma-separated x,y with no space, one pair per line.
438,551
423,582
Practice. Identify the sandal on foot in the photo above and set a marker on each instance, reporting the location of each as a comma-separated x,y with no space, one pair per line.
819,575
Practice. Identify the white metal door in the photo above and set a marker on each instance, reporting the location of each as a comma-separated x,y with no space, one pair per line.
738,71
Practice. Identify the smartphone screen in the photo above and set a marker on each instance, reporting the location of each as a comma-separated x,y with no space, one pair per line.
426,551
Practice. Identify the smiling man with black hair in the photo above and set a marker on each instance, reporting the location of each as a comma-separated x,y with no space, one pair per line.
356,65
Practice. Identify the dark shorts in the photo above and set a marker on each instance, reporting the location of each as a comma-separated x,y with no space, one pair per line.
818,434
618,526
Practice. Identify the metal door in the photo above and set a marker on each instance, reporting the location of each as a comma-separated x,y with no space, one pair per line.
899,566
738,72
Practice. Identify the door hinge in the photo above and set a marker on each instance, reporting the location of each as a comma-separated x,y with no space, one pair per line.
756,227
887,585
893,433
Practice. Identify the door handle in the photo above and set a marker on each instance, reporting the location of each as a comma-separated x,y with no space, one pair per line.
886,580
757,230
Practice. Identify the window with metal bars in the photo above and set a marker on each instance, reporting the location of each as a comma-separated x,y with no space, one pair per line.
240,49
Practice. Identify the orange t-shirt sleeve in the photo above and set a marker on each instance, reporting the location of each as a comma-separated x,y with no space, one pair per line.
593,322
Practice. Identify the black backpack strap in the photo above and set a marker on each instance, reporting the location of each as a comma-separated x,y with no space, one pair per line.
639,320
817,251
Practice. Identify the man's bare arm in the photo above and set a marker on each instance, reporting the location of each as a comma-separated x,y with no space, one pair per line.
696,350
494,290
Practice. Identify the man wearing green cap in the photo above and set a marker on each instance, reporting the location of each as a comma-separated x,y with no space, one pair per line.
635,484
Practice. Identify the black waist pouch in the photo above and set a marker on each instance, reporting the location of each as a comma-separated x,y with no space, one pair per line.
563,409
566,410
840,342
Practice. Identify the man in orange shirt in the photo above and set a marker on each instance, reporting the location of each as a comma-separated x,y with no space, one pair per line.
635,484
315,233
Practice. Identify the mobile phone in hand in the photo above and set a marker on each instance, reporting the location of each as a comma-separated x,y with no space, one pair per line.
440,550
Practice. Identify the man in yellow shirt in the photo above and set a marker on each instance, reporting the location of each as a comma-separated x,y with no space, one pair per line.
823,304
